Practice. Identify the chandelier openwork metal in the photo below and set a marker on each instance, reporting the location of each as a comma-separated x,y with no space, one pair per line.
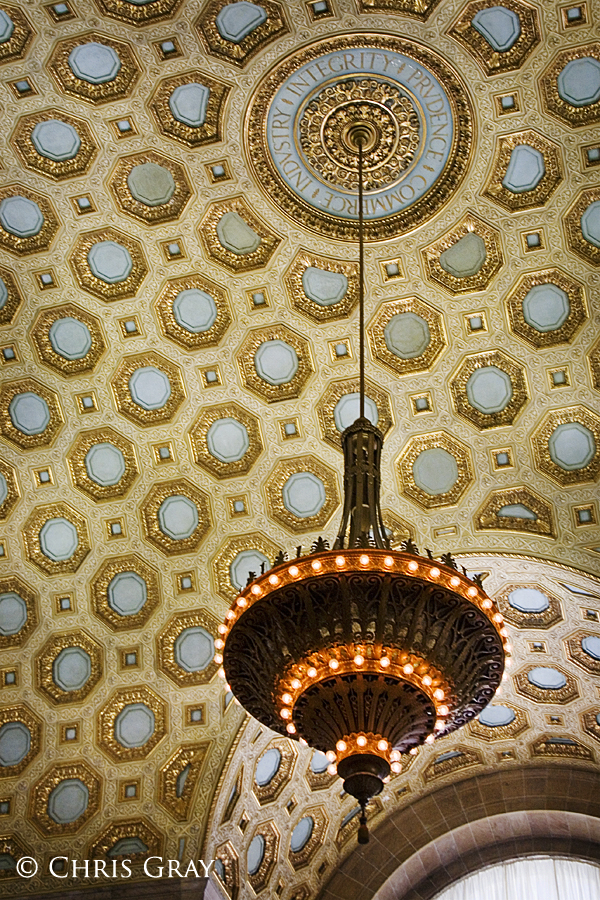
362,651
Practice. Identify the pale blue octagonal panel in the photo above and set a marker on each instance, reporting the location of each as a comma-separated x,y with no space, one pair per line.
489,390
591,646
194,310
178,517
70,338
127,593
528,600
128,846
151,184
323,287
15,743
516,511
244,562
95,63
194,649
546,307
303,494
318,762
3,293
590,223
189,103
134,726
56,140
579,81
465,257
29,413
227,440
21,216
572,446
500,27
149,387
105,464
407,335
301,834
435,471
256,853
3,489
497,715
347,411
58,539
547,678
68,801
237,20
525,169
13,613
236,235
71,669
7,26
110,262
276,362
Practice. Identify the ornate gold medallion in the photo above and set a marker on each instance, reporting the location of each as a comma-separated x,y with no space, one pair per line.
411,108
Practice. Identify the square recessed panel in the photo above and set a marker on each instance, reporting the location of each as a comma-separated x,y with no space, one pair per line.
69,734
559,377
591,155
290,428
218,171
211,376
174,249
87,402
46,279
60,12
320,9
9,678
421,403
43,477
502,458
115,528
195,714
64,603
23,87
507,103
533,240
237,506
585,515
4,807
83,204
129,790
573,15
9,354
258,298
340,350
186,581
476,323
125,127
392,270
168,48
130,327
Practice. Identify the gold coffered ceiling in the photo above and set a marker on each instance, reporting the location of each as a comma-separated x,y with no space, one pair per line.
179,355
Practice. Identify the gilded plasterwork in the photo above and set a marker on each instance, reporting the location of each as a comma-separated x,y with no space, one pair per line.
267,793
573,115
126,404
136,13
241,51
108,714
41,338
23,714
520,619
224,558
303,857
193,340
462,758
178,779
577,242
165,644
79,472
547,745
150,507
334,393
16,45
419,9
107,840
242,261
410,363
211,129
151,214
43,238
489,267
418,445
541,521
99,592
264,389
541,448
315,310
230,862
211,463
501,732
492,61
276,501
594,361
10,489
14,434
14,848
577,315
576,653
38,807
45,666
127,286
270,835
548,182
591,724
30,599
564,694
32,535
519,391
96,93
56,169
13,297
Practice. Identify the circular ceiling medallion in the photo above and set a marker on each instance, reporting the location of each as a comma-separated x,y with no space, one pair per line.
414,116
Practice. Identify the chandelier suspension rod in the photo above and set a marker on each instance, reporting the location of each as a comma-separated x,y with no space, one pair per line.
361,278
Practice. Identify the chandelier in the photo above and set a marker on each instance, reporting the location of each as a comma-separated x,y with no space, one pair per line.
362,651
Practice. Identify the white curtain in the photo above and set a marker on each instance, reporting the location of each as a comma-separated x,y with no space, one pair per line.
530,878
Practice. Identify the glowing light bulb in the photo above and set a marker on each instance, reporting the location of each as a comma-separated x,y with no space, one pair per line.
230,614
290,728
222,629
332,769
358,660
219,644
472,592
438,694
303,742
241,601
273,579
455,581
382,745
413,566
414,751
505,676
287,698
508,663
384,662
256,590
396,768
296,684
435,572
361,741
364,560
293,570
430,739
311,672
218,658
285,713
388,561
507,647
386,780
316,565
340,561
395,755
487,604
498,618
443,711
330,755
221,673
408,669
426,680
334,664
504,632
341,746
439,725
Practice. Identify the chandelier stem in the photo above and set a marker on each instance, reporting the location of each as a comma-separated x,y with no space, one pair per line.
361,280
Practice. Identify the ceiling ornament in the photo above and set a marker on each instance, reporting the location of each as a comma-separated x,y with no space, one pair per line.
338,408
235,237
236,31
262,855
407,335
68,339
10,297
136,13
516,509
527,169
347,649
150,187
68,667
275,363
109,264
238,557
435,470
505,723
103,463
133,839
549,745
190,108
18,612
538,611
452,761
466,258
320,288
176,516
270,790
594,361
148,388
193,311
9,489
566,445
56,538
499,37
489,389
570,86
179,777
186,648
226,440
30,414
65,798
131,724
28,222
20,739
582,225
125,592
55,144
546,684
302,493
419,9
306,162
307,837
94,68
16,32
547,308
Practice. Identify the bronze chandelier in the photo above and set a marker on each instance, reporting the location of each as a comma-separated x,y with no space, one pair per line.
362,651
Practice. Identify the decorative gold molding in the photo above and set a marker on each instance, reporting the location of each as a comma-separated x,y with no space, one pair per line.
237,262
151,215
136,14
77,455
16,46
13,299
149,510
577,654
40,794
494,62
40,336
270,834
505,363
280,474
52,168
187,762
125,402
304,857
37,243
15,585
312,310
267,793
13,493
577,312
487,518
417,9
165,645
239,53
572,224
12,846
574,116
198,434
466,758
102,846
415,446
107,715
229,551
46,658
22,713
546,186
547,745
252,380
380,349
212,129
104,92
86,278
99,591
541,452
545,619
31,536
546,695
334,393
11,433
491,266
171,327
501,732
